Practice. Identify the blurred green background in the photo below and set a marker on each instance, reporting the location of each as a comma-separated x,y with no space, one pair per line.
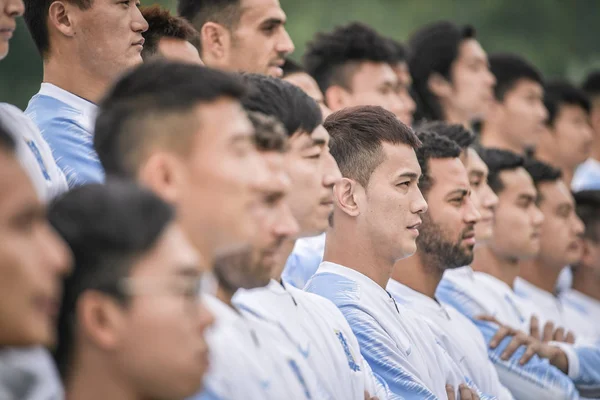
560,36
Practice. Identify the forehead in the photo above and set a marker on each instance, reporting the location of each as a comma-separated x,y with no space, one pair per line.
306,83
555,194
373,74
320,134
179,50
471,51
257,11
571,110
398,159
475,164
223,119
517,182
526,86
17,191
448,174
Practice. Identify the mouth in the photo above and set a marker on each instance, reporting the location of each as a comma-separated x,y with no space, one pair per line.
414,228
469,238
7,31
48,306
139,42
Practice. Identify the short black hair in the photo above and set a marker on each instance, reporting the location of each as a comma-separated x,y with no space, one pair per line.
291,67
432,49
559,93
357,134
541,172
331,58
199,12
269,133
296,110
587,207
106,227
497,161
7,141
130,115
36,18
400,51
591,84
460,135
433,145
510,68
161,24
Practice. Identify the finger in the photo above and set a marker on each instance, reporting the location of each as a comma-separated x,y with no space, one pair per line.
367,395
487,318
559,334
530,352
450,392
548,332
570,337
514,344
501,333
474,395
534,327
465,392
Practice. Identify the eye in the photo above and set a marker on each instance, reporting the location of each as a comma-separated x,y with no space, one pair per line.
475,184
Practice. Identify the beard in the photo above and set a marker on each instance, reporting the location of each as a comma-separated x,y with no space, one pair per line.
438,251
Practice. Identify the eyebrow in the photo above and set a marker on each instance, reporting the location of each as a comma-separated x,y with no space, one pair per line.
189,270
527,197
274,21
461,192
410,175
479,174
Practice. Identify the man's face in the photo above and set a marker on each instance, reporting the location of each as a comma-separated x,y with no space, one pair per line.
108,36
9,11
313,173
486,199
472,81
33,260
179,50
448,230
403,91
523,113
159,344
572,135
306,82
595,118
259,42
562,229
391,204
518,219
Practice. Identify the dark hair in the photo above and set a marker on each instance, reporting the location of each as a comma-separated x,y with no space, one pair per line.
296,110
400,51
497,161
291,67
591,85
130,115
509,69
199,12
541,172
356,137
433,145
331,58
587,206
36,18
460,135
107,227
161,24
269,134
433,49
559,93
7,141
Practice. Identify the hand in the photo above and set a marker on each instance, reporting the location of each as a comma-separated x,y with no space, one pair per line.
464,391
519,338
550,334
368,396
555,356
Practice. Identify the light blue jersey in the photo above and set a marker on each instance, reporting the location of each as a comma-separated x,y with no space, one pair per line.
304,261
587,176
66,122
582,314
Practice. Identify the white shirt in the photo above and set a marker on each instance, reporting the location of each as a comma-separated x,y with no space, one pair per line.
548,304
320,332
582,314
304,261
587,176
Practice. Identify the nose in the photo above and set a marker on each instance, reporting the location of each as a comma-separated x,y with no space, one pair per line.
418,205
542,111
15,8
587,133
285,46
332,174
489,199
409,103
138,23
578,226
206,318
537,217
287,226
56,253
472,215
490,78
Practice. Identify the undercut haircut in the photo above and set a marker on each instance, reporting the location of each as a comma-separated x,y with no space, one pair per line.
7,141
199,12
497,161
357,134
291,67
433,49
460,135
560,93
436,146
587,207
161,24
509,69
269,134
154,106
591,85
36,17
296,110
107,227
332,58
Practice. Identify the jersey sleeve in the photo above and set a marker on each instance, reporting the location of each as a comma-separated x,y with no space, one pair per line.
584,367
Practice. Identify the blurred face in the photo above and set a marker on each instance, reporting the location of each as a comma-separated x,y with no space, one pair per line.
260,42
595,119
522,113
391,205
590,259
159,345
306,82
562,228
179,50
448,230
572,135
313,172
403,91
518,219
472,81
33,260
9,11
485,198
107,37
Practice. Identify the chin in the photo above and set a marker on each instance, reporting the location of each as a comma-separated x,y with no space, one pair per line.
408,250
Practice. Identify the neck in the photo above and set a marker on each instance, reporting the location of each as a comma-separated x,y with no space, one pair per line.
96,383
491,137
503,268
596,150
286,249
588,285
540,275
452,116
225,295
75,79
419,274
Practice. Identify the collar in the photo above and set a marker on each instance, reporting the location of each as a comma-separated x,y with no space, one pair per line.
462,273
537,295
496,283
86,107
417,300
579,298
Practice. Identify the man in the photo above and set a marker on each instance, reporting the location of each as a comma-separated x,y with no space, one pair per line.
515,120
587,175
400,67
352,66
296,75
312,324
240,35
135,139
451,78
567,141
85,46
33,260
169,37
130,325
375,222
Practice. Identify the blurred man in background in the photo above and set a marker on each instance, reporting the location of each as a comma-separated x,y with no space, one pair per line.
240,35
296,75
400,66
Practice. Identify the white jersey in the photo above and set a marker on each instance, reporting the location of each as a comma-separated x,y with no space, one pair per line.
581,314
319,331
304,261
459,336
33,153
